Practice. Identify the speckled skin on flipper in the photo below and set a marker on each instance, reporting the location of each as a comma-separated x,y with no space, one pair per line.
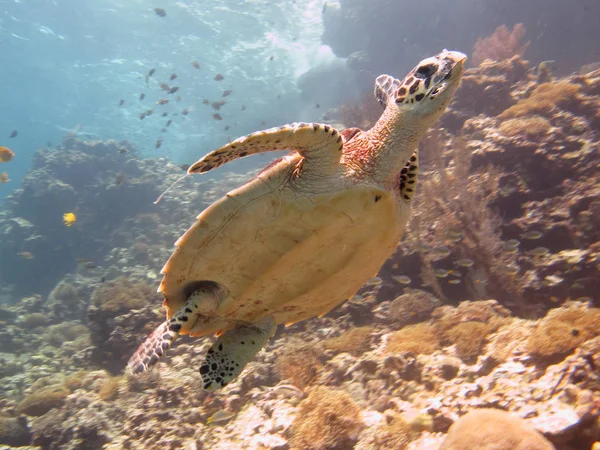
308,231
310,140
228,356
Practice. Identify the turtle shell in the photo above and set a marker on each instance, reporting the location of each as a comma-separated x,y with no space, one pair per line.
284,247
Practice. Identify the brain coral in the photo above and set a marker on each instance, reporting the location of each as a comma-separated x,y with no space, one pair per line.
493,429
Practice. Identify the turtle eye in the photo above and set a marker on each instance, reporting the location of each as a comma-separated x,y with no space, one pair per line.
425,71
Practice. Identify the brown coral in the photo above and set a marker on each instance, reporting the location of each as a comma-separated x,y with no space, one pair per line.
43,400
355,341
493,429
531,127
56,335
544,99
420,339
299,363
501,44
14,431
33,320
109,388
563,330
469,325
122,294
396,434
412,307
328,419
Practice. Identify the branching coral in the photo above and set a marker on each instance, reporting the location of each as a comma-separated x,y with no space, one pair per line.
501,44
463,226
328,419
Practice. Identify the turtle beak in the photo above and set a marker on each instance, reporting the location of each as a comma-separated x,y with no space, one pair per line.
453,64
456,57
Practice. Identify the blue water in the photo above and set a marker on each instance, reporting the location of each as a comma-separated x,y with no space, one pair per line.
68,63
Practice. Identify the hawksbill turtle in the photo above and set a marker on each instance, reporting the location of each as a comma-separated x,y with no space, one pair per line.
306,233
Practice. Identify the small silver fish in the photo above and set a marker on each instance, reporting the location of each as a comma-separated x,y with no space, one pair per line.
539,251
509,270
532,235
402,279
442,252
288,390
465,262
441,273
454,235
220,416
375,281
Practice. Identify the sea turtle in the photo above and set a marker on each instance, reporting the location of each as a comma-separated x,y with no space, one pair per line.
306,233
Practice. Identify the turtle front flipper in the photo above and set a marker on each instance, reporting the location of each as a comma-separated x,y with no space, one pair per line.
230,353
320,142
201,302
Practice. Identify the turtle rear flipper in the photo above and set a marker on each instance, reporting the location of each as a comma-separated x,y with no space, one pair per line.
315,141
201,302
228,356
152,349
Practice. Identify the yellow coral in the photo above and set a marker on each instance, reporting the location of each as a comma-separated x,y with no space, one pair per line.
394,435
109,388
420,338
544,99
355,341
327,419
469,338
563,330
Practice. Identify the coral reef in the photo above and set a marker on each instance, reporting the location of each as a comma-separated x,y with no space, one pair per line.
299,363
14,431
563,330
122,312
328,420
493,429
509,205
501,44
368,32
489,303
43,400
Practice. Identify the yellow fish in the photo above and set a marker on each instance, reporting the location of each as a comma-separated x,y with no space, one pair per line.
69,219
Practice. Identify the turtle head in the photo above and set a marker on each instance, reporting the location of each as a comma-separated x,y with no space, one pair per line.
426,90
